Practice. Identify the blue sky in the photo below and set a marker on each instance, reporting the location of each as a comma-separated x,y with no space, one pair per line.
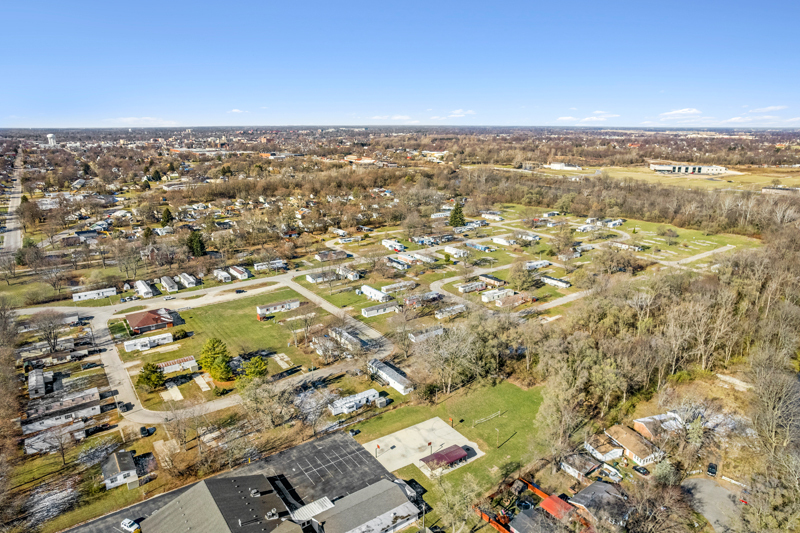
528,63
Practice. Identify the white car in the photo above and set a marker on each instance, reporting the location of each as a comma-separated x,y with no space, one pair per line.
130,526
169,297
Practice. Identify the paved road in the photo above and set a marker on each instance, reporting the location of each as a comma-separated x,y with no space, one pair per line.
714,502
12,240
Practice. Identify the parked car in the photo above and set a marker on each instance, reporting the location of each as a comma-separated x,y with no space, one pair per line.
169,297
129,526
143,431
642,471
123,300
712,470
354,432
240,291
122,406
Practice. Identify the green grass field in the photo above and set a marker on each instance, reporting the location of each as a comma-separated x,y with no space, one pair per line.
514,431
235,324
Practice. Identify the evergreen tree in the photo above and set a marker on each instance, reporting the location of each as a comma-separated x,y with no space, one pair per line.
151,377
457,217
166,217
147,235
215,360
156,175
256,368
196,244
146,185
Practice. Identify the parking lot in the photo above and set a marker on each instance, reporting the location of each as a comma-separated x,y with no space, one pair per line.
409,445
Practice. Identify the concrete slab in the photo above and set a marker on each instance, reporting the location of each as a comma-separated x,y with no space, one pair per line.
283,360
202,383
409,445
172,393
162,349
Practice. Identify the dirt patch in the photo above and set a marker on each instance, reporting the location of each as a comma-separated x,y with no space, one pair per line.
162,349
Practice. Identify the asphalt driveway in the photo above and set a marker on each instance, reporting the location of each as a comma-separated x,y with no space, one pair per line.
714,502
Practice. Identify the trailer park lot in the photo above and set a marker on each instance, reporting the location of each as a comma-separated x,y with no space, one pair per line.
227,311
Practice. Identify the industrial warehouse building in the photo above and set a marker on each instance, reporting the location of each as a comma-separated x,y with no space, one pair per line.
348,491
688,169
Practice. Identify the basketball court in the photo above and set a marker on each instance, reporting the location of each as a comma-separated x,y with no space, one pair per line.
409,445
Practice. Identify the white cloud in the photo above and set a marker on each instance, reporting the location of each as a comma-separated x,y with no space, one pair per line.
796,119
400,117
739,120
599,112
461,112
567,118
381,117
573,108
682,112
236,111
413,122
456,116
599,118
436,117
768,109
140,122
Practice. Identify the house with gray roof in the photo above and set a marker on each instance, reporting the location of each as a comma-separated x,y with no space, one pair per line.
119,469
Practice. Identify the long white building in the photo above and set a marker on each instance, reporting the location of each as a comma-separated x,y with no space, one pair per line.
688,169
374,294
94,295
143,289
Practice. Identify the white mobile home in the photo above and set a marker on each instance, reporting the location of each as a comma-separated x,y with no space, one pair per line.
94,295
496,294
472,287
222,276
374,294
555,282
278,307
348,404
397,287
169,284
456,252
425,334
143,289
533,265
391,376
239,272
320,277
188,280
145,343
503,241
380,309
424,258
348,273
447,312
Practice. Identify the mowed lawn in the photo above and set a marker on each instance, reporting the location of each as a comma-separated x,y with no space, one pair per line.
514,430
235,323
